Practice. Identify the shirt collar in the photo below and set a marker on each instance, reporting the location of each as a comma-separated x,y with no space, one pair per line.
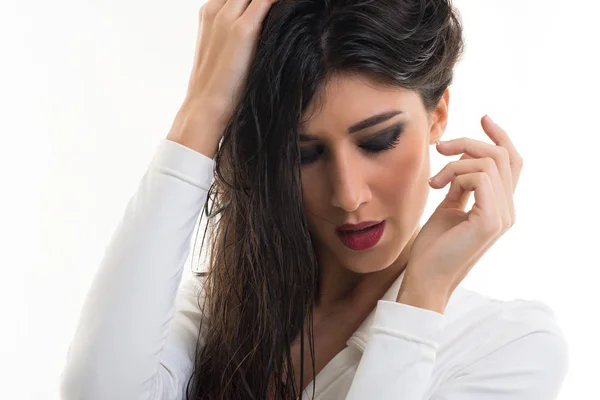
359,337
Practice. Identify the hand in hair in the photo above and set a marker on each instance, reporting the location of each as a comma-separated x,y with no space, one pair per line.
226,44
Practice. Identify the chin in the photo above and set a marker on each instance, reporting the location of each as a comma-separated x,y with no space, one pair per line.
376,259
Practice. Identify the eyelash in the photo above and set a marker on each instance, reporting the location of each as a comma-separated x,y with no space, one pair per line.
369,147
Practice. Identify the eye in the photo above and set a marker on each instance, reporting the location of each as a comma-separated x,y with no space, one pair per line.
310,154
386,140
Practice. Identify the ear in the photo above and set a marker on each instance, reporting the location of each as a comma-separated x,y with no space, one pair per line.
439,118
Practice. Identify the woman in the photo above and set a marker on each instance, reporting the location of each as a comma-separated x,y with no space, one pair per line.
314,117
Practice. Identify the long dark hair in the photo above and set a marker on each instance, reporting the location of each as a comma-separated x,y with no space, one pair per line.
263,274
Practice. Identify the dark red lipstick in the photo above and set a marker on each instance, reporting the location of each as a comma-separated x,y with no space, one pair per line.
361,236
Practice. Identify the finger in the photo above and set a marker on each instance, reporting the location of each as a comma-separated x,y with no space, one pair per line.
466,166
479,149
233,9
464,200
498,135
485,209
210,9
256,12
207,16
501,138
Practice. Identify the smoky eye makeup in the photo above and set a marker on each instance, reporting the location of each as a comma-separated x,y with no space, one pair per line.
310,154
383,140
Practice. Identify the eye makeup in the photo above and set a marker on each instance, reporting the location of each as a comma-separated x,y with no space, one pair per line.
383,140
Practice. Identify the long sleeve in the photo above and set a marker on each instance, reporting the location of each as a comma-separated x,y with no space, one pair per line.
138,325
525,358
399,355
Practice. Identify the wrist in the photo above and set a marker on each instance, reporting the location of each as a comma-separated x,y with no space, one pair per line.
422,297
197,142
196,129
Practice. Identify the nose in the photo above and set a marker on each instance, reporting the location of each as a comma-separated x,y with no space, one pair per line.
350,188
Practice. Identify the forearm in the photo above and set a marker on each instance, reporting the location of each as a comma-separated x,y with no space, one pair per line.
198,127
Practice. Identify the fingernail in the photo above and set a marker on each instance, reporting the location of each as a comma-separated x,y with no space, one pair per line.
491,120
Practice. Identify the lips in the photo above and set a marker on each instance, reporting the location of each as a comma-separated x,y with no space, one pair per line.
361,239
357,227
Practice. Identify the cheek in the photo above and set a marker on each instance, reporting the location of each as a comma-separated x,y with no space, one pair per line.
408,169
403,182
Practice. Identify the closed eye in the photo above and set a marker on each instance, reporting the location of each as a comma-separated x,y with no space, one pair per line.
384,140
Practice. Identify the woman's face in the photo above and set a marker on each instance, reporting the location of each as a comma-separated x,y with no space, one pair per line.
374,172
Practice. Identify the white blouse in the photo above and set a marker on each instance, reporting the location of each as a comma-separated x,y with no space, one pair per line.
139,324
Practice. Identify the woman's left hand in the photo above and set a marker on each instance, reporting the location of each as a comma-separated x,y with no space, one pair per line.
453,240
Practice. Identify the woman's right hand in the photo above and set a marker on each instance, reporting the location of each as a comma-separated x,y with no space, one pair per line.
226,43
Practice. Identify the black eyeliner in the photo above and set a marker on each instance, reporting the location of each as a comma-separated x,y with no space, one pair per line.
390,130
380,141
384,139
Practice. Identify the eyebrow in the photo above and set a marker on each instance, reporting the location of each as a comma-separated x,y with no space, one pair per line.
367,123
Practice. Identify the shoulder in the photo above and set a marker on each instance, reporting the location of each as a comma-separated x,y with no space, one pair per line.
529,332
516,338
505,319
500,322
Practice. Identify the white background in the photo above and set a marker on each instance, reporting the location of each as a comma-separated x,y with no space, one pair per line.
88,88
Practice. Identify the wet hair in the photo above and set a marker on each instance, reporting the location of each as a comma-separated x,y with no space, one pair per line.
263,273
